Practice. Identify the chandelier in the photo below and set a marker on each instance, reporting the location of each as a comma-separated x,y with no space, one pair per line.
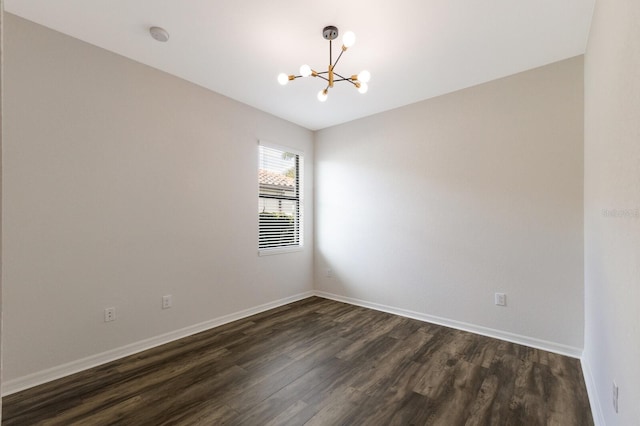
359,81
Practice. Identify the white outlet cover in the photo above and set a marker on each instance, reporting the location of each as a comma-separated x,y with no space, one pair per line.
109,314
167,301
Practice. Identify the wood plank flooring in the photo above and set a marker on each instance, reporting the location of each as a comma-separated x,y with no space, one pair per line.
318,362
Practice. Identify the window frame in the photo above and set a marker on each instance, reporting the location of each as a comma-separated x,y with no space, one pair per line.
298,200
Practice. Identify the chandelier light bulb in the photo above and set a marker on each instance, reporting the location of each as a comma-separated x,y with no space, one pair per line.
283,78
364,76
305,70
363,88
323,95
348,39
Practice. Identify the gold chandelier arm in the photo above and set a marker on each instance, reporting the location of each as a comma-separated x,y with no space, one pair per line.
351,80
330,75
322,77
338,59
342,77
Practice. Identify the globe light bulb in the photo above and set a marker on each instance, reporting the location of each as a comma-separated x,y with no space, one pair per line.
363,88
348,39
283,78
364,76
305,70
323,95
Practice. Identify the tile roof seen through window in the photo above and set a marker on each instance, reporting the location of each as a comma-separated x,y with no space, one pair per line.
266,177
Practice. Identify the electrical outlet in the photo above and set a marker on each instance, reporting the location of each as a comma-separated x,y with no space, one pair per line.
167,301
501,299
109,314
615,396
329,273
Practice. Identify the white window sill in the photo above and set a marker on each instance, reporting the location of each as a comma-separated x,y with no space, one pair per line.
279,250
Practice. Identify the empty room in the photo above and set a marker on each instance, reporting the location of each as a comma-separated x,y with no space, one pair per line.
331,213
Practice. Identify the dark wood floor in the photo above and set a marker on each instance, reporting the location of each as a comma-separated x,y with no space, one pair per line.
318,362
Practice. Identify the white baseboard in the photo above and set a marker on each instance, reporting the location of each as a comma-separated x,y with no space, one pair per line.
485,331
594,401
40,377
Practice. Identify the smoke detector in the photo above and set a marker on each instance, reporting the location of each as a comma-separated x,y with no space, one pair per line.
159,34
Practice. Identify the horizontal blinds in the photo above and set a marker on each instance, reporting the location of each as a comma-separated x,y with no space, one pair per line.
279,204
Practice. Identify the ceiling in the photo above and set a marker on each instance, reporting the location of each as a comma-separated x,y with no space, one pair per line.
414,49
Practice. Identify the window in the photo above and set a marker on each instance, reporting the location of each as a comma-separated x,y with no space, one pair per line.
279,199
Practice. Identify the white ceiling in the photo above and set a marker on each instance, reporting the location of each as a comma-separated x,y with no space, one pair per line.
414,49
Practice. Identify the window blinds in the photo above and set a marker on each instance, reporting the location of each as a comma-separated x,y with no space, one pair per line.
280,198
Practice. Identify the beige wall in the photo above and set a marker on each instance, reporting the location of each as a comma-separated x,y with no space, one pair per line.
430,209
122,184
611,214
